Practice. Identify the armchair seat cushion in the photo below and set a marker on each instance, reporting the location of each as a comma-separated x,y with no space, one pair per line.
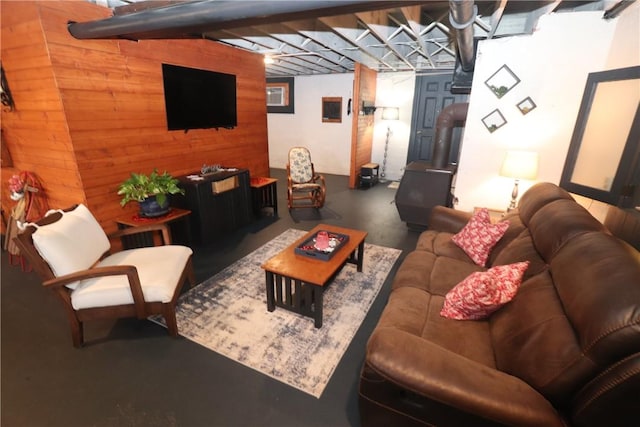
307,186
159,269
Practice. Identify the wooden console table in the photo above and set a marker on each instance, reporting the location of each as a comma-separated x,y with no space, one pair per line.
219,203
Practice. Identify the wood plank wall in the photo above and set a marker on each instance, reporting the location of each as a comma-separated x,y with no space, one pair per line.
89,112
362,127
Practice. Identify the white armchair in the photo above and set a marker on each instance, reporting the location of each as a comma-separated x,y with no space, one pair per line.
72,255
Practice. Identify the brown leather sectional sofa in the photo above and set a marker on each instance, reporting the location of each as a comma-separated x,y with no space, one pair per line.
564,352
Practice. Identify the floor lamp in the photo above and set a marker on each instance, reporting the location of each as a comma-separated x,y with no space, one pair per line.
388,113
519,165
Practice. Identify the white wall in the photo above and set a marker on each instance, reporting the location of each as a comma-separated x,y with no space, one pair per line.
329,143
553,64
393,90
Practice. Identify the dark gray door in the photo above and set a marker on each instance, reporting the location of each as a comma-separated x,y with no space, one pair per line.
432,94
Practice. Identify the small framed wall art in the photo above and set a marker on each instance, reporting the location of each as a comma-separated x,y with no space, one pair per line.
494,120
332,109
526,105
502,81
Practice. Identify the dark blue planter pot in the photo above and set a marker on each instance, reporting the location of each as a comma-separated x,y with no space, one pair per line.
150,208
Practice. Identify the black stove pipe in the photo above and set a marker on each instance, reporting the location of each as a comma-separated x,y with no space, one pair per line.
191,19
446,121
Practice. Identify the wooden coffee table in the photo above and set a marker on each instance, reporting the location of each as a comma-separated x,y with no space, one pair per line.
296,282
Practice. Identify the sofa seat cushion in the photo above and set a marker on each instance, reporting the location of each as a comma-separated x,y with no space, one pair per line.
417,312
159,269
429,370
431,273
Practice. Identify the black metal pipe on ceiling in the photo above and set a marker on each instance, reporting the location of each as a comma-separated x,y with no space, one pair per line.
462,16
191,19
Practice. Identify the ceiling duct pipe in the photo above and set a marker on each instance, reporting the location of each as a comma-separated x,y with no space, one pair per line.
192,18
446,121
462,15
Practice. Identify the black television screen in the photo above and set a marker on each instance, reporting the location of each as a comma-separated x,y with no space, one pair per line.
199,99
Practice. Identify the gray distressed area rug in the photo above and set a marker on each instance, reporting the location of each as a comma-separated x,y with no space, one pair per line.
228,314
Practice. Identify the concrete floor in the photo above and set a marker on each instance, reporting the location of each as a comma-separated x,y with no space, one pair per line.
130,373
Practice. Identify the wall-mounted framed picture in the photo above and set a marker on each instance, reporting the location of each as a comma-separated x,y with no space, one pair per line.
502,81
526,105
280,95
494,120
332,109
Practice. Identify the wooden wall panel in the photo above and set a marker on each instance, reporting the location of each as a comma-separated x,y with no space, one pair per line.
362,125
106,104
35,132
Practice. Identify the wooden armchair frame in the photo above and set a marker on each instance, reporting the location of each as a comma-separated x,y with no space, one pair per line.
140,308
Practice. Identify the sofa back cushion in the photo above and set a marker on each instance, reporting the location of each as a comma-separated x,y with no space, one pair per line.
554,224
597,277
533,339
571,322
522,248
515,228
538,196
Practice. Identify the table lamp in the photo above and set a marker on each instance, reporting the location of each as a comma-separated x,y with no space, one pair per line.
519,165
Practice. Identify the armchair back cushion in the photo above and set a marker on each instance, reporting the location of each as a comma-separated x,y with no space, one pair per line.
73,243
300,166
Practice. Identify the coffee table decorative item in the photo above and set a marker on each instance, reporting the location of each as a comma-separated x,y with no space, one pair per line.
322,245
295,280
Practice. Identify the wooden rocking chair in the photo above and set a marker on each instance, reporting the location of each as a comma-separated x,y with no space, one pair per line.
303,183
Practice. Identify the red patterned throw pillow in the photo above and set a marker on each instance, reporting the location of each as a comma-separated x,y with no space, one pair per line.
479,236
483,292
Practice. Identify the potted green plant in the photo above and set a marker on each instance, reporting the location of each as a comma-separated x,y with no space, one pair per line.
150,191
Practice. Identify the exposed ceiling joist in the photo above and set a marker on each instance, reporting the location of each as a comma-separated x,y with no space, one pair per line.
320,37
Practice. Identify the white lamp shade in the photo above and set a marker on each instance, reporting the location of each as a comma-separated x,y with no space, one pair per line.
390,113
520,165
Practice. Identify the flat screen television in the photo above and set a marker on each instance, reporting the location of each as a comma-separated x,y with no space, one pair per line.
199,99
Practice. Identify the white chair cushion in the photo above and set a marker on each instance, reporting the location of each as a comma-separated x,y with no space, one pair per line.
159,269
73,243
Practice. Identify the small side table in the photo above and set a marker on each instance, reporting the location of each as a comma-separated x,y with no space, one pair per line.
369,174
495,215
264,192
146,239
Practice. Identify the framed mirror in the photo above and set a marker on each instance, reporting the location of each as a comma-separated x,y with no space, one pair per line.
603,158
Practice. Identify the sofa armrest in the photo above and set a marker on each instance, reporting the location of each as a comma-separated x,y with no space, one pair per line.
432,371
615,391
447,219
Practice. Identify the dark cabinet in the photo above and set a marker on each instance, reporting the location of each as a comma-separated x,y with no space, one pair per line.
422,187
219,203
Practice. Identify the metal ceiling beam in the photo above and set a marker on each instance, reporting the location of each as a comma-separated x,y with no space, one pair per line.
192,18
346,27
380,29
